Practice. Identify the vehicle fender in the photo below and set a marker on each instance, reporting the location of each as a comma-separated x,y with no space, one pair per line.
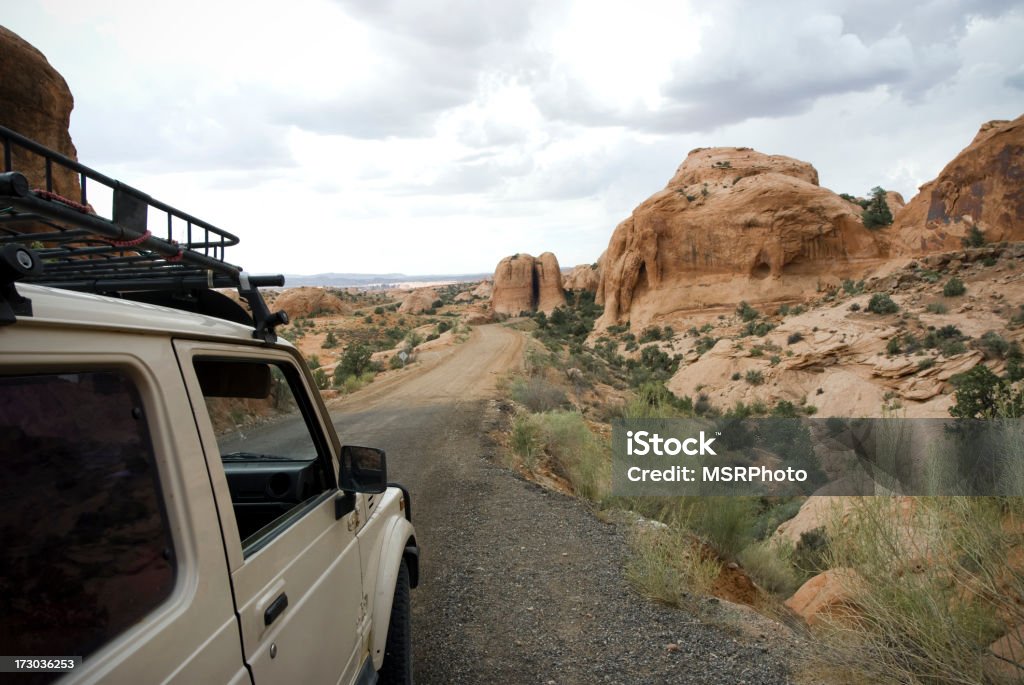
399,538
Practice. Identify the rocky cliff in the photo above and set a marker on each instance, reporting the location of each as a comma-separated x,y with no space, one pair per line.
36,102
523,283
728,226
583,277
983,186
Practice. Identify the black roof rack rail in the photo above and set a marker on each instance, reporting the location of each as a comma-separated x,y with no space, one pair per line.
49,239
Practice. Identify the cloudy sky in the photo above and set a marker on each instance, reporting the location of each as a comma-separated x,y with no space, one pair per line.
437,136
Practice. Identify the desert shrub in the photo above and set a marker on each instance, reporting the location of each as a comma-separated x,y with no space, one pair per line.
746,312
320,379
736,376
893,346
936,308
881,303
934,623
993,344
876,214
654,400
723,522
851,287
810,554
395,362
584,459
767,565
758,328
794,338
954,287
650,334
537,394
443,326
855,307
378,310
668,566
925,363
331,340
975,237
704,344
754,377
525,439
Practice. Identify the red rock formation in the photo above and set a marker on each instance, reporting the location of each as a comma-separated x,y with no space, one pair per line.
309,301
728,225
583,277
418,301
981,187
523,283
36,102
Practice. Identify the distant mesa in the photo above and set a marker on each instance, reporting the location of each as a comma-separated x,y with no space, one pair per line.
37,103
523,283
981,187
727,227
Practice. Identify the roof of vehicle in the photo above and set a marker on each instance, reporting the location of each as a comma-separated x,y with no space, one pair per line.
52,306
142,249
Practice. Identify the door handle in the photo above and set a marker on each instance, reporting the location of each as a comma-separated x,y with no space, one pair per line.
275,609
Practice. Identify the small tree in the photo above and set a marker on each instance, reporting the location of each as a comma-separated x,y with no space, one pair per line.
330,341
975,237
354,362
877,213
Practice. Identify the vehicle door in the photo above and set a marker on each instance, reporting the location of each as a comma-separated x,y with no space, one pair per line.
294,564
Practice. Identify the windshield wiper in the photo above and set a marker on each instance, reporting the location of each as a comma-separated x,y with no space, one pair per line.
253,456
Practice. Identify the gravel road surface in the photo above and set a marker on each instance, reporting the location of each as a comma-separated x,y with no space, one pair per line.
519,584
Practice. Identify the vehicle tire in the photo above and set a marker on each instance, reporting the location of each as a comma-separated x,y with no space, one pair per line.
397,666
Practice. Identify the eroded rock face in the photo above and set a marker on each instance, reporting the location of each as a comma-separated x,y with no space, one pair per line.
728,226
980,187
36,102
523,283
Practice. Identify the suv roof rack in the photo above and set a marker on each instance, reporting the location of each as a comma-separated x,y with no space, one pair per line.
49,239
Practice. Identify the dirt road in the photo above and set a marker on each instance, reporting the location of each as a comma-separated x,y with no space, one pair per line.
519,585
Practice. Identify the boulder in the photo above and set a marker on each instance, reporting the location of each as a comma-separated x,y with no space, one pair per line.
728,226
36,102
826,596
523,283
418,301
980,187
308,301
483,290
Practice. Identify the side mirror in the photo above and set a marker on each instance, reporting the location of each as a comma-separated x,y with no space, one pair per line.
363,469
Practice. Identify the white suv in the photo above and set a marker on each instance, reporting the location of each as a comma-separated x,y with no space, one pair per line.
177,506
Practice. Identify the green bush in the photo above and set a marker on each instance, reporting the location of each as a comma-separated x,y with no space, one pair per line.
936,308
746,312
954,287
650,334
980,394
331,341
766,564
754,377
881,303
975,237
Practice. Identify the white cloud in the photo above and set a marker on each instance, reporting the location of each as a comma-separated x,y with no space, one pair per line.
416,136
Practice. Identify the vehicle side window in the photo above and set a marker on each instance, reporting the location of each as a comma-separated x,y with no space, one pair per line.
86,550
274,456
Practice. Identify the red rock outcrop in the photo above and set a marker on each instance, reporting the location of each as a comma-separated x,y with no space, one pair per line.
308,301
980,187
523,283
583,277
418,301
728,225
36,102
